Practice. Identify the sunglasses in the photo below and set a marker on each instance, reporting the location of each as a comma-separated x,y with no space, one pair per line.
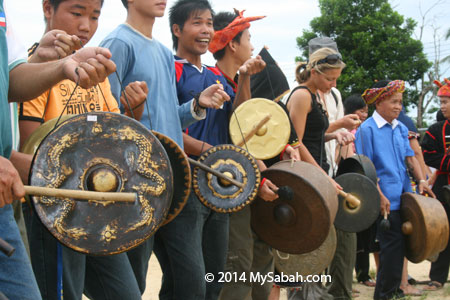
330,59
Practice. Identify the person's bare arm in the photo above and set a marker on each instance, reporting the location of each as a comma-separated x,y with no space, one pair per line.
414,168
249,68
349,122
22,163
299,106
26,128
192,146
414,143
88,67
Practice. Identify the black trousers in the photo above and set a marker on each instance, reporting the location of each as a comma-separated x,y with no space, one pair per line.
392,252
362,266
439,269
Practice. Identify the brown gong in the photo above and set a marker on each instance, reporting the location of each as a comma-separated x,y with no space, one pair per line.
311,263
425,226
298,223
104,152
181,175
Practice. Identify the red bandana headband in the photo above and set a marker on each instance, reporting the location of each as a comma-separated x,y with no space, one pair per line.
444,90
224,36
378,94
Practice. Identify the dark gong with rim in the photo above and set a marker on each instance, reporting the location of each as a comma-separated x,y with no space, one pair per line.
181,175
358,163
298,221
103,152
218,194
356,219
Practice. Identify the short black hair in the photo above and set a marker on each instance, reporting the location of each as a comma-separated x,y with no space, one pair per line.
56,3
440,116
182,10
352,103
221,20
125,3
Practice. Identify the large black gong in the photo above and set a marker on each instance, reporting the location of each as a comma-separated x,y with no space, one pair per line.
356,219
103,152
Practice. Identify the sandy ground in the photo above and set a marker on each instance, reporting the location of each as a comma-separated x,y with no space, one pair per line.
417,271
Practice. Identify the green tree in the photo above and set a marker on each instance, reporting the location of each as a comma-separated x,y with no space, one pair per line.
375,42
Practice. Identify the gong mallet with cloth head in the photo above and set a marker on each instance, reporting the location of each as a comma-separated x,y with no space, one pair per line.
80,194
351,200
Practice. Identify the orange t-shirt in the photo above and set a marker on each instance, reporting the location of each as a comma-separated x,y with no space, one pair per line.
50,104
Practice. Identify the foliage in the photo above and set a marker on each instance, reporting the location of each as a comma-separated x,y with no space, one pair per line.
375,42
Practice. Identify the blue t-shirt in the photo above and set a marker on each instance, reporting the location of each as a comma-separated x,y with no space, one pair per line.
5,121
191,81
139,58
387,148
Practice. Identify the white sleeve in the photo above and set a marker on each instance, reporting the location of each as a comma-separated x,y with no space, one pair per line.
17,53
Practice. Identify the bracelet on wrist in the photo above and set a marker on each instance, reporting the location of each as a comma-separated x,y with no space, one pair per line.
263,180
197,101
284,150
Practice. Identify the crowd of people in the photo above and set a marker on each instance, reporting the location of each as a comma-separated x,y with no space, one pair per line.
132,73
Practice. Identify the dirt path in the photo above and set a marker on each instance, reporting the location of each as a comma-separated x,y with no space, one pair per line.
417,271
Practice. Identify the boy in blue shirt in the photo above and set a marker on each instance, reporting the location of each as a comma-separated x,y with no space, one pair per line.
385,141
201,232
139,56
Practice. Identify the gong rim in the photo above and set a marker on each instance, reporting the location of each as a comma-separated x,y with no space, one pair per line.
181,170
249,113
360,164
311,263
32,143
229,198
357,219
109,228
314,203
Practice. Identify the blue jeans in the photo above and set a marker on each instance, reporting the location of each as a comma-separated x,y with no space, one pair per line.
16,276
139,258
102,277
193,244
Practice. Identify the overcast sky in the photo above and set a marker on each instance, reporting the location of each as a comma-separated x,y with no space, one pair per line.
284,22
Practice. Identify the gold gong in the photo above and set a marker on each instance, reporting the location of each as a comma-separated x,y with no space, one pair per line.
264,126
32,143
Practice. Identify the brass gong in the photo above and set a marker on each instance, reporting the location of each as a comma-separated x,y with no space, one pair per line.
311,263
103,152
271,137
425,226
32,143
